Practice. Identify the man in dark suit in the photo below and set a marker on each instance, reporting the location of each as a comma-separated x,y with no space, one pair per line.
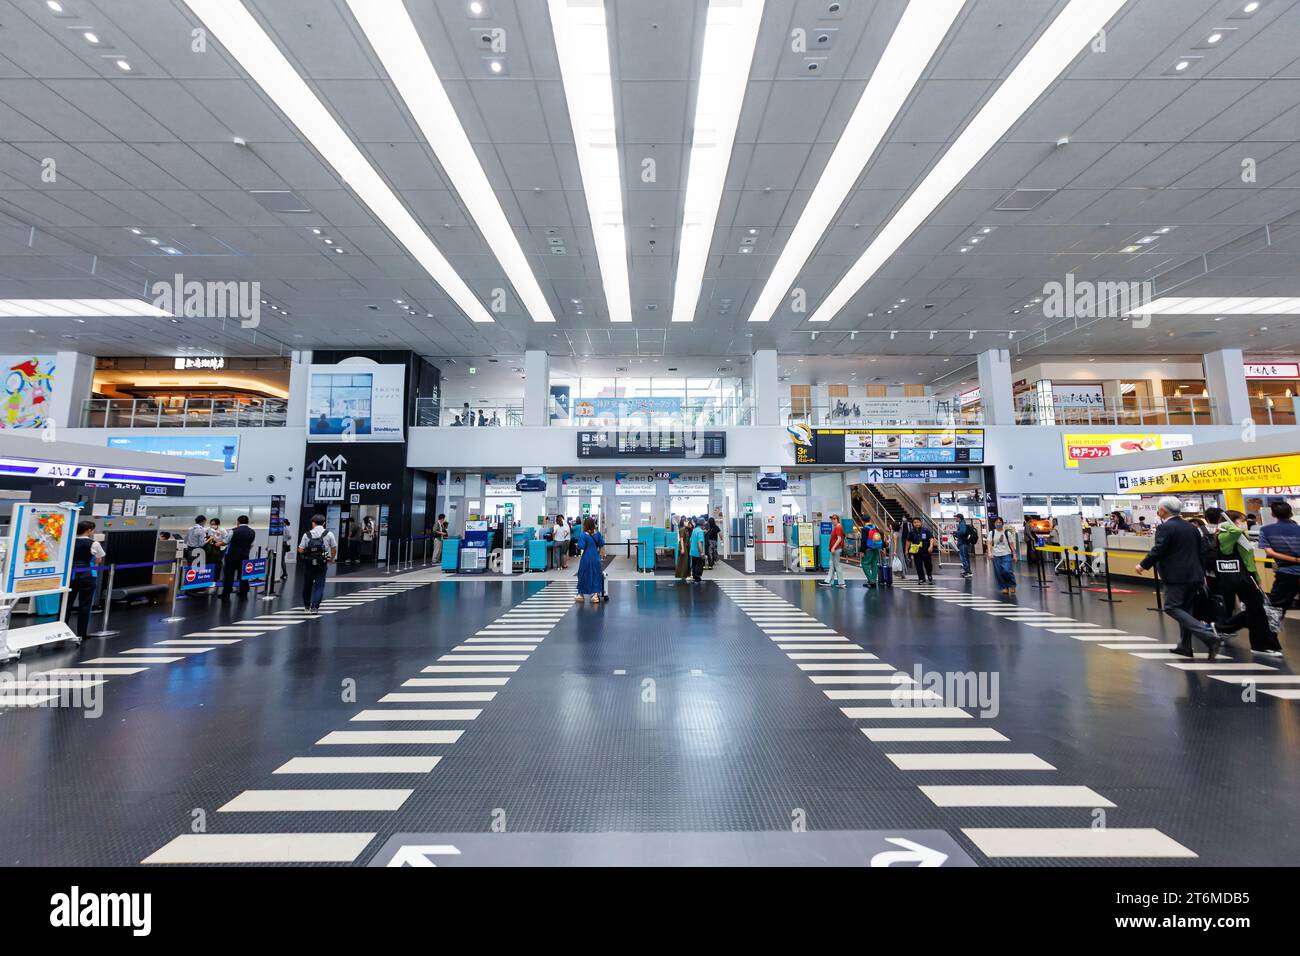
238,549
1177,555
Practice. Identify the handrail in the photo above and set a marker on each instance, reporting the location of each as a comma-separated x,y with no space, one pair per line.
190,412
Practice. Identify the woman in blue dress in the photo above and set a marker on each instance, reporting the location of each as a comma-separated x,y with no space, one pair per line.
591,576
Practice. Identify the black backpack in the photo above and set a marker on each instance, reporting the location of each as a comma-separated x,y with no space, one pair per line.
315,550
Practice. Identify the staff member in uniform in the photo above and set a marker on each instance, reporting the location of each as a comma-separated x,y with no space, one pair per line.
237,552
920,545
88,555
195,539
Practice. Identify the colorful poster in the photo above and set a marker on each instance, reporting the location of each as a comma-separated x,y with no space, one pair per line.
40,548
1085,446
29,382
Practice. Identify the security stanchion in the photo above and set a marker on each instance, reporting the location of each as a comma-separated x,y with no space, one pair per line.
1105,556
268,586
176,593
1160,601
108,604
1040,566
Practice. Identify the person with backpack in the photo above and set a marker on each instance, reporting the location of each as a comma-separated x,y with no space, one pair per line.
1002,546
591,575
965,536
871,549
1237,576
317,549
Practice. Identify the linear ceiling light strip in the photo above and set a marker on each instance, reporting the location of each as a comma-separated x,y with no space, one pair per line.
582,46
394,38
70,308
730,33
1046,60
920,30
1216,305
243,37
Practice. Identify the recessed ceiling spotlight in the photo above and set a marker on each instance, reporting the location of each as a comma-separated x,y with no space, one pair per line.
315,232
975,240
1147,240
1214,38
1182,65
124,66
986,230
154,241
328,242
54,5
135,231
476,8
90,38
965,248
1164,230
338,250
1250,8
495,66
753,232
1131,249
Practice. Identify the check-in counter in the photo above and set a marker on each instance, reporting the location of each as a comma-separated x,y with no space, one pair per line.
1126,550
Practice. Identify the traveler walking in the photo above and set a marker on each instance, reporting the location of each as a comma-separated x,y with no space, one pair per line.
591,576
237,552
1005,554
921,545
871,549
683,569
697,547
1281,542
560,542
835,546
1177,555
318,548
1238,578
87,556
965,536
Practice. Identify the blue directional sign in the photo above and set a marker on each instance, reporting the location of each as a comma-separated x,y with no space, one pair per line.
920,475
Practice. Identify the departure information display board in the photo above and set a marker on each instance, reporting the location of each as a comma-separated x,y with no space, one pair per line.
897,446
652,443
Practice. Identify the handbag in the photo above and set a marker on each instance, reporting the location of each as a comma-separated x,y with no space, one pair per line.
1206,606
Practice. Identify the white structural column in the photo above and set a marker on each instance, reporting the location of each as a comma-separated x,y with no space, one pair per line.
767,400
1225,378
995,387
299,389
74,381
537,387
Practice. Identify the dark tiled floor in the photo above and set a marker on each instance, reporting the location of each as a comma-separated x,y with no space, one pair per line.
710,727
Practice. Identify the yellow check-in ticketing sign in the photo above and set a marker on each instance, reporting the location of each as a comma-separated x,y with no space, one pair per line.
1213,476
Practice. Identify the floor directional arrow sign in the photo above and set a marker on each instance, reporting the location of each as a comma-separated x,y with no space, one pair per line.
419,855
676,848
910,853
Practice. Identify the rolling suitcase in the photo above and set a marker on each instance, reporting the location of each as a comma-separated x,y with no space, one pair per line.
886,573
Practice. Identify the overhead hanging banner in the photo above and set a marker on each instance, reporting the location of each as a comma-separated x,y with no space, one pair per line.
1215,476
1086,446
573,485
627,484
